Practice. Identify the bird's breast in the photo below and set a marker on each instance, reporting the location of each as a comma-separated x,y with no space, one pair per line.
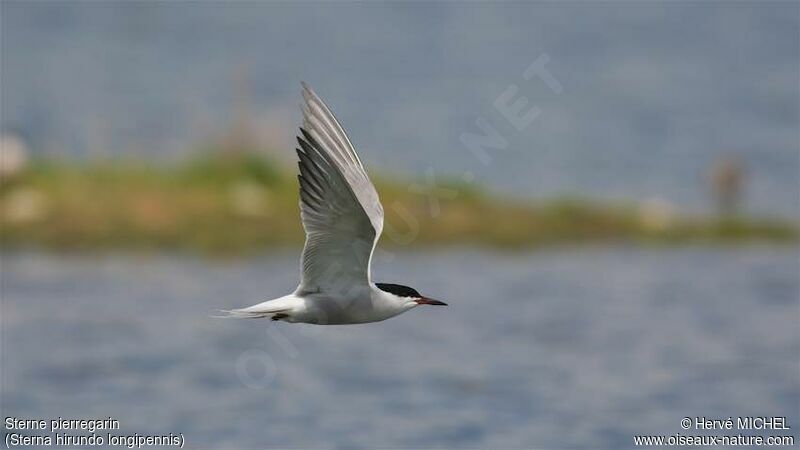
331,310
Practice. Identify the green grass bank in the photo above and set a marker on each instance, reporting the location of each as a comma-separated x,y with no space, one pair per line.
246,204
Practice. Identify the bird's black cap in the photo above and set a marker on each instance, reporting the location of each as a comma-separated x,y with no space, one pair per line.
399,290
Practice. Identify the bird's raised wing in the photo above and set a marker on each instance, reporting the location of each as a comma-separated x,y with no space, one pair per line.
339,207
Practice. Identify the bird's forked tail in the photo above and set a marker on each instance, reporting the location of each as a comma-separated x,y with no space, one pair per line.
274,309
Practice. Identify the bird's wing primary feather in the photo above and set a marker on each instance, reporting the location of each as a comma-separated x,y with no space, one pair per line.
339,207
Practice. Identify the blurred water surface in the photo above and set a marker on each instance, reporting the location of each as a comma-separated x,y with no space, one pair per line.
653,93
562,349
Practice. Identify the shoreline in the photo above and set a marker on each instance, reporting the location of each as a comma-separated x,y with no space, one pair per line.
245,204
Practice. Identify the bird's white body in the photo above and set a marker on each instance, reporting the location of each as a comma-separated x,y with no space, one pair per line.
323,309
343,220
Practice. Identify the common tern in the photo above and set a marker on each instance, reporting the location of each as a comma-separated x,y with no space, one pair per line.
343,219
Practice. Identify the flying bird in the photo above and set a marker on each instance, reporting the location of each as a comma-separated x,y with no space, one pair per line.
343,219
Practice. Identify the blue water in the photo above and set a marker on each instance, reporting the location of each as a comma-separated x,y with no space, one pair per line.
554,349
652,93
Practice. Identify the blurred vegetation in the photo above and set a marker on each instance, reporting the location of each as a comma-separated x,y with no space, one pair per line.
238,202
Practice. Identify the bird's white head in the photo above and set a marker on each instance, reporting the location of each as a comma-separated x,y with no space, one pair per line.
406,296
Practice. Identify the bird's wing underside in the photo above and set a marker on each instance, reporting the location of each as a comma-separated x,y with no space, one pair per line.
339,207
